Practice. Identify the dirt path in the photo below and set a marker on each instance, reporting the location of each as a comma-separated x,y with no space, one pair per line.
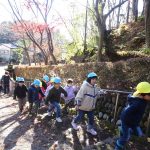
42,133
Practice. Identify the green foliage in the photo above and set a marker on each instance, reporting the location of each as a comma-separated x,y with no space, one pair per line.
146,51
140,18
73,44
17,54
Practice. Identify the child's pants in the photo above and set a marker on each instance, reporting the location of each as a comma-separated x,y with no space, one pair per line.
81,114
69,104
21,103
6,88
125,134
37,106
58,108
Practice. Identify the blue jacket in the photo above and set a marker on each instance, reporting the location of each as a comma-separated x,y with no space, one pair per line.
133,113
33,94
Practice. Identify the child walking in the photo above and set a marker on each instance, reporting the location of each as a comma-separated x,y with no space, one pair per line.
54,96
33,96
85,102
5,81
133,113
20,93
70,99
49,86
45,83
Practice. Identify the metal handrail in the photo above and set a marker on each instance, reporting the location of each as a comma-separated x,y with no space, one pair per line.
115,91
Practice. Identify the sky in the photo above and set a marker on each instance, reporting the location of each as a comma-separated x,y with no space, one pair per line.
60,5
59,8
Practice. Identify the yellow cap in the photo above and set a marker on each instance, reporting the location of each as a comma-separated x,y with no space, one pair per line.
142,87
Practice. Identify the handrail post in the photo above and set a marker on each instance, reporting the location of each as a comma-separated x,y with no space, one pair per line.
116,105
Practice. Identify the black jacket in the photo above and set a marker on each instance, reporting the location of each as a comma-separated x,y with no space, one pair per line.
133,113
54,95
20,91
5,79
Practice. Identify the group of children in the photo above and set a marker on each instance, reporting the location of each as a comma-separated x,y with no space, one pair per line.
50,91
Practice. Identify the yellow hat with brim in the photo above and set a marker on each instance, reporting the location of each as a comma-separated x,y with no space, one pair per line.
142,87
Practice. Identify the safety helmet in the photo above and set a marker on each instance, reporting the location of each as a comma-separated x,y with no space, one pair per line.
57,80
141,88
37,82
46,78
92,75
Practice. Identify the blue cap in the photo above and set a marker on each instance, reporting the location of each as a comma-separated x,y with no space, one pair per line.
46,78
57,80
91,75
21,79
18,79
37,82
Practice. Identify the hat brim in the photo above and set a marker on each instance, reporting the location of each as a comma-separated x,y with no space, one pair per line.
136,93
21,81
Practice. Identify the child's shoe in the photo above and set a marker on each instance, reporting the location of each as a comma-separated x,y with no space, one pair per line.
59,119
49,113
118,146
74,125
92,131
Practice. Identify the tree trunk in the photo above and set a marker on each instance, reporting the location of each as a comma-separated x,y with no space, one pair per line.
147,22
99,17
50,46
27,55
85,32
135,9
46,61
142,14
34,55
100,42
118,16
54,59
101,23
128,11
110,17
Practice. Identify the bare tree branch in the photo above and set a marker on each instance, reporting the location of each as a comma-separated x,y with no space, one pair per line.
106,15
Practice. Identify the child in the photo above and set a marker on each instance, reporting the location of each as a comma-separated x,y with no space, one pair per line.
45,83
54,98
17,81
20,92
33,95
5,81
1,88
133,113
50,86
70,99
85,102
